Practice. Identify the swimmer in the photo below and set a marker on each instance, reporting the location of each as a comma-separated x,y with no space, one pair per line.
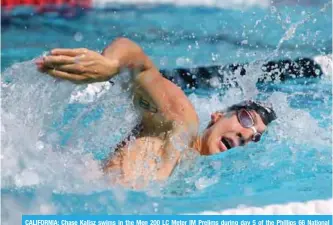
169,121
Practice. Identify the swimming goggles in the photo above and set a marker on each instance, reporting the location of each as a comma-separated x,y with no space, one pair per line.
247,121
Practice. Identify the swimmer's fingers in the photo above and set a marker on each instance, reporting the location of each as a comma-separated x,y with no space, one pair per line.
72,68
68,76
69,52
51,61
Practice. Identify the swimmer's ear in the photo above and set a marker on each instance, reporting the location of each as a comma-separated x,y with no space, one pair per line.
214,117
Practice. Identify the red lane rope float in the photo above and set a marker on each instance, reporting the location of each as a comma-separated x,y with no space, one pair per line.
45,5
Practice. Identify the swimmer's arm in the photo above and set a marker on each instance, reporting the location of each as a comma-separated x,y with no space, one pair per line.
86,66
127,54
160,97
153,93
82,65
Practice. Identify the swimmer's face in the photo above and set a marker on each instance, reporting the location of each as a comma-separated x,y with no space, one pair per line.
225,131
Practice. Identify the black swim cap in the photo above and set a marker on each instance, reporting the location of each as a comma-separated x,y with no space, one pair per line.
266,113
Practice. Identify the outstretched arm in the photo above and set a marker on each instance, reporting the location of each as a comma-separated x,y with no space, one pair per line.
158,96
85,66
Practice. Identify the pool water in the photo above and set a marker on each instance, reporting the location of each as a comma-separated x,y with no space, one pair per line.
53,140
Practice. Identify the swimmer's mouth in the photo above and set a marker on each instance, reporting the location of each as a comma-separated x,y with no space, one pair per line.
227,142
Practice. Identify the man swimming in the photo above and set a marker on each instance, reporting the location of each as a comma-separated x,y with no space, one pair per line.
169,121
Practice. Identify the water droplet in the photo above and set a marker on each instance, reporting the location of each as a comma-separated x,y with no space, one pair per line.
78,37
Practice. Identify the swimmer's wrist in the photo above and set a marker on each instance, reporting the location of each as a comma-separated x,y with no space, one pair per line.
114,68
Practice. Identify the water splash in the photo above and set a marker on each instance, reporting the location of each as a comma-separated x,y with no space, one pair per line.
290,32
45,136
36,160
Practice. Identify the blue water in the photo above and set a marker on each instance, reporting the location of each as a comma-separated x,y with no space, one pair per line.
292,163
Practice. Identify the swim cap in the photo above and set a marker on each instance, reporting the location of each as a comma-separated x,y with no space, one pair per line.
266,112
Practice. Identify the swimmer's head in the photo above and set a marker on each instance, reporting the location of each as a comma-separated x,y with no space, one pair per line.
236,126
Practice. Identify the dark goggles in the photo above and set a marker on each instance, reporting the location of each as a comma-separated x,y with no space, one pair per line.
246,120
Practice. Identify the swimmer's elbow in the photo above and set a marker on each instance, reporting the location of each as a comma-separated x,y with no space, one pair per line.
127,44
133,56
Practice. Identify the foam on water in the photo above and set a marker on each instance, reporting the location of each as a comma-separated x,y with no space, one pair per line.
325,62
316,207
40,143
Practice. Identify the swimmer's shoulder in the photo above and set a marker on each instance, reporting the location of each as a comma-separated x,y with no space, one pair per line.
149,158
139,161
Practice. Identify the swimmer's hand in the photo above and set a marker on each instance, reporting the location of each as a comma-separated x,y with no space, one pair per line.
78,65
